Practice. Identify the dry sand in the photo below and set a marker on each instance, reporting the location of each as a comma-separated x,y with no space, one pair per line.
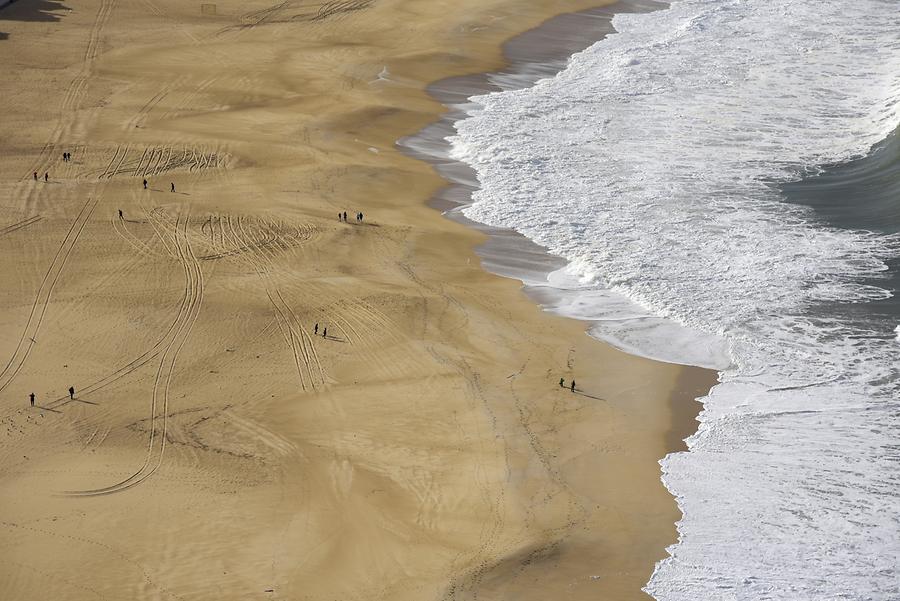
217,448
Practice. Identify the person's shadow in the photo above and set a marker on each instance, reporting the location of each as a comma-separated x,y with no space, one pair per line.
581,392
590,396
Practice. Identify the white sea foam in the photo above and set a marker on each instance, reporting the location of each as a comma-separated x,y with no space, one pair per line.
649,165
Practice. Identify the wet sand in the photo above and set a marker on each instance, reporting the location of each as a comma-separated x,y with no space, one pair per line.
218,447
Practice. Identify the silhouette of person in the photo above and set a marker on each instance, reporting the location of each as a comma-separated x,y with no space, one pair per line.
35,176
345,216
46,176
339,217
120,214
562,382
573,385
360,216
31,396
64,156
71,392
145,184
316,330
173,186
325,332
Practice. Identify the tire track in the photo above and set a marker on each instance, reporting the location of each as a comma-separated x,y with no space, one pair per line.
136,363
301,343
139,245
45,291
19,225
160,395
76,90
119,164
110,164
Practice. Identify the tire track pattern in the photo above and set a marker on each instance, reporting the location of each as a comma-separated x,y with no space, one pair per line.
257,246
76,90
170,346
42,300
156,160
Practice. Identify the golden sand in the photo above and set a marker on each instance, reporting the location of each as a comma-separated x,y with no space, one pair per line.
217,446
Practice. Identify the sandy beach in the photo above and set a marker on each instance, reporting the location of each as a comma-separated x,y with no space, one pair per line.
220,444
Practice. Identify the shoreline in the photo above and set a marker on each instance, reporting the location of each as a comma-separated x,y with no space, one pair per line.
536,54
421,450
529,56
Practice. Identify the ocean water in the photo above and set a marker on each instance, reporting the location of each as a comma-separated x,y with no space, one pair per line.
720,178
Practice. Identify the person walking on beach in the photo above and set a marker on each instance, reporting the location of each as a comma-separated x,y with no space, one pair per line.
173,186
145,184
35,176
46,176
325,332
316,330
72,392
573,385
31,396
360,217
345,216
562,382
120,214
339,216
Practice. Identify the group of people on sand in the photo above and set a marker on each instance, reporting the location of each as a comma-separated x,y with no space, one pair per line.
562,383
71,395
146,183
343,217
324,331
66,156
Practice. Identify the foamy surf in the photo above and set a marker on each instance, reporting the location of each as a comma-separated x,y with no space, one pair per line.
652,165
